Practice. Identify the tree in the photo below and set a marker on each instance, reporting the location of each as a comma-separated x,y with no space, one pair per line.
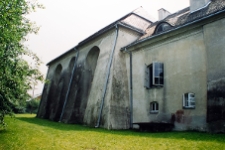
16,74
32,105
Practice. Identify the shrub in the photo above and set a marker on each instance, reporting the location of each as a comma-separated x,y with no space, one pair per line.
32,106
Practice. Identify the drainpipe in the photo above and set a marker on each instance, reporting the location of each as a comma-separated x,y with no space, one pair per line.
70,83
107,78
131,91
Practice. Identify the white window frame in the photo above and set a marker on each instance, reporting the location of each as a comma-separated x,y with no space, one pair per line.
154,107
189,100
154,76
150,76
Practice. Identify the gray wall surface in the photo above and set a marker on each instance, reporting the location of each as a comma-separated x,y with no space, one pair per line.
214,41
184,62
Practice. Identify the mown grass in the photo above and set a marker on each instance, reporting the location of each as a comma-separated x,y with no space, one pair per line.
26,132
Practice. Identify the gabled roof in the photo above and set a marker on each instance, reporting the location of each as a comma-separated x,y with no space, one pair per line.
140,12
131,21
182,18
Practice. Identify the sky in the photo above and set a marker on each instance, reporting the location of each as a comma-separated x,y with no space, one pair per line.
65,23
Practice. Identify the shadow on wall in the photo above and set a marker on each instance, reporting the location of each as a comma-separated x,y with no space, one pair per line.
80,89
216,106
53,93
216,101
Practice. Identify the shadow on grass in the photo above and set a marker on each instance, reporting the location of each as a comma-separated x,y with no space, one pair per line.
52,124
188,135
3,131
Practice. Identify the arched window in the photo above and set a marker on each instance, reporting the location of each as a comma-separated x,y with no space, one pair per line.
162,27
154,107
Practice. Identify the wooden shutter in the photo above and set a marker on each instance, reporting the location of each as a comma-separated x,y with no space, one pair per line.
191,100
146,81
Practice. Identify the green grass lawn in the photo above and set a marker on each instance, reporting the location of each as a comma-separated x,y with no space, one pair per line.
26,132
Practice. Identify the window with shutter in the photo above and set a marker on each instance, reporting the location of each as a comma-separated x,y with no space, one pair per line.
189,100
154,75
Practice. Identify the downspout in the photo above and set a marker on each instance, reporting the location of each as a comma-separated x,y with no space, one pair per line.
131,91
69,86
107,77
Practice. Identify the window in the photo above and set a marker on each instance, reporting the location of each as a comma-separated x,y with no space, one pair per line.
154,75
154,107
189,100
162,27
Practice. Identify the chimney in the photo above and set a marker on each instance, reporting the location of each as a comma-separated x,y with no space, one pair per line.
162,13
198,4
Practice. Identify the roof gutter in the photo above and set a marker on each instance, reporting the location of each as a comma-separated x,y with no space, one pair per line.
130,27
97,34
169,31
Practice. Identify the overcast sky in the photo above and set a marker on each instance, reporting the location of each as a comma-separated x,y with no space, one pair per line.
64,23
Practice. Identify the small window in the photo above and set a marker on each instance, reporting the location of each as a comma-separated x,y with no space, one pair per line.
162,27
154,75
189,100
154,107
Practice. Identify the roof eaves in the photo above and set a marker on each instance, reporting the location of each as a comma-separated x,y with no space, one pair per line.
111,26
142,17
97,33
103,30
74,48
91,37
169,31
130,27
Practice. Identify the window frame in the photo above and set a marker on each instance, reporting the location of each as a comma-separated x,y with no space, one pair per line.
189,100
154,107
162,27
151,77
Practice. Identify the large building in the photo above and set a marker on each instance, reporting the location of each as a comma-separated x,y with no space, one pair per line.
139,70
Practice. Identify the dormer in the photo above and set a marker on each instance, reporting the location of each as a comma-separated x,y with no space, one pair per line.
162,27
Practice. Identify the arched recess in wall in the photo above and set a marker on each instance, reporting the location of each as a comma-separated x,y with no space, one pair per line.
84,84
71,65
91,59
63,87
52,91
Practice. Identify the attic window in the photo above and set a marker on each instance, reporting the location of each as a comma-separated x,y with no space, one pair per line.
162,27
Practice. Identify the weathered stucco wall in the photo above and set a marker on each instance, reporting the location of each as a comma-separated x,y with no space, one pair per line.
87,87
86,79
55,90
184,60
119,117
193,59
214,41
115,113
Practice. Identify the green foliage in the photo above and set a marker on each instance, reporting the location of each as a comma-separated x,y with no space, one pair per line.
16,74
27,132
32,106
